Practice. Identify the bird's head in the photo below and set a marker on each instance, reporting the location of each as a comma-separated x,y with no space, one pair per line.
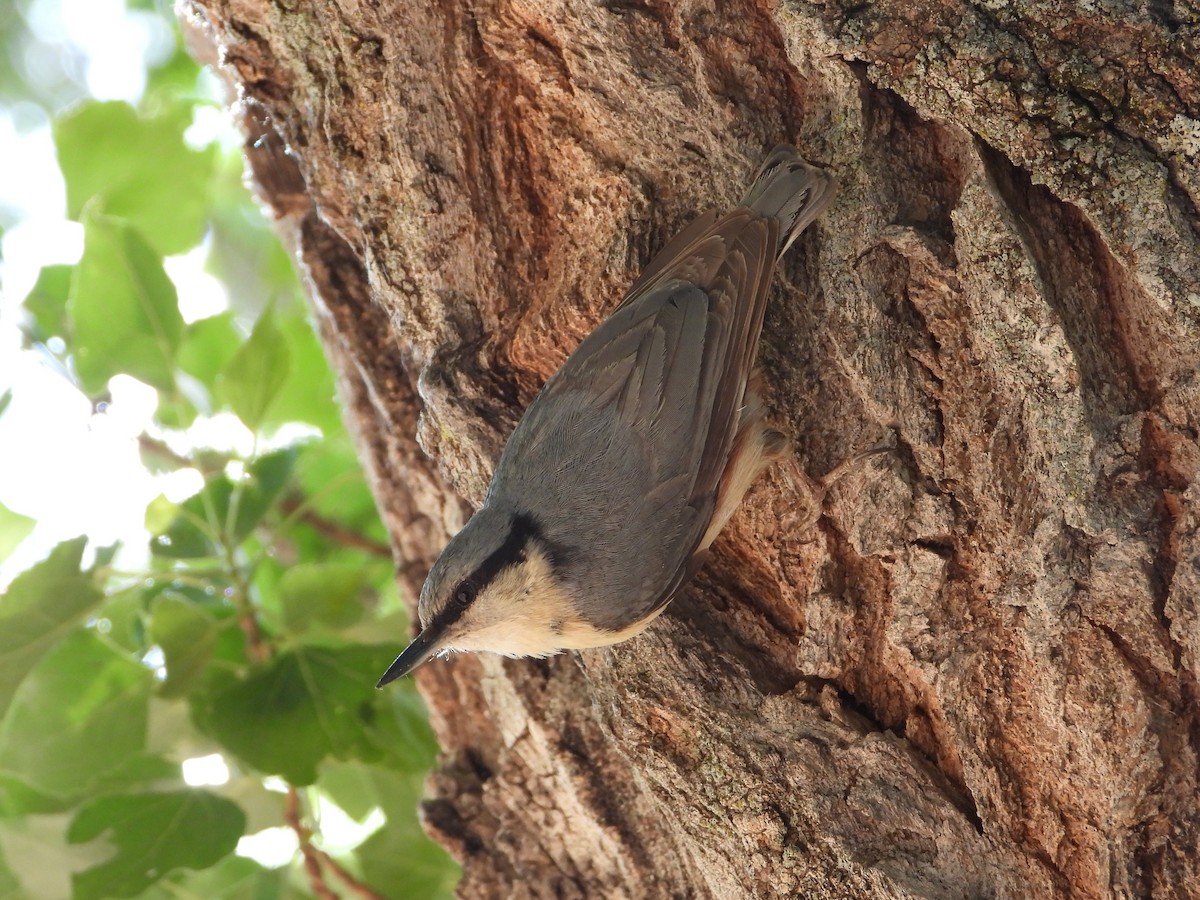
499,586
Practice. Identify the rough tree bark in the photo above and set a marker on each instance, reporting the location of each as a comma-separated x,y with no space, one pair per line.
976,674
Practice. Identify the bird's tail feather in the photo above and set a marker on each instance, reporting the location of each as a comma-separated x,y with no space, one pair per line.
792,191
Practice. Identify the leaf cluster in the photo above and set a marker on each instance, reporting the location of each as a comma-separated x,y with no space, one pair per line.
265,610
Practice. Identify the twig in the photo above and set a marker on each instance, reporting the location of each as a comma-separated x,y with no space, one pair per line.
260,649
159,448
293,505
315,858
355,886
312,858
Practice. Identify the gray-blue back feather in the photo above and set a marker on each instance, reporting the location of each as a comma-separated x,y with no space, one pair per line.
620,457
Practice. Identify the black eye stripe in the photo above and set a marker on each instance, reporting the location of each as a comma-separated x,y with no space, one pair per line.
523,530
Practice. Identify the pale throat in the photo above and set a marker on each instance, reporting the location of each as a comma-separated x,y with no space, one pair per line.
526,611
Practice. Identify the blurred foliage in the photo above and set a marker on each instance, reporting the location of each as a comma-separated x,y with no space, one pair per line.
267,609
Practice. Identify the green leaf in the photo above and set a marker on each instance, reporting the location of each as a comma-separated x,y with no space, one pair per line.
46,304
77,723
208,593
268,573
177,411
140,169
208,346
14,528
210,514
399,860
195,528
245,253
271,471
351,787
153,834
321,592
258,370
404,732
176,77
160,512
308,393
306,704
10,887
42,605
406,863
19,799
187,637
106,554
123,308
233,878
121,618
331,477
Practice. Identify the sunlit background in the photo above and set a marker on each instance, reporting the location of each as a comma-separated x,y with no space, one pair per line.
71,469
75,465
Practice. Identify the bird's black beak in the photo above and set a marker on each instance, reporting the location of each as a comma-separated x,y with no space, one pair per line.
423,647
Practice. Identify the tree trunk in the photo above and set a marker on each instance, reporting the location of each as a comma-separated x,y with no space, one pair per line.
975,673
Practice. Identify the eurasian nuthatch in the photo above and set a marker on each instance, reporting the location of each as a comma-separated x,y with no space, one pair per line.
636,452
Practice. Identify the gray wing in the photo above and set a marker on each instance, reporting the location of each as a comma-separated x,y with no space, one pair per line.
621,454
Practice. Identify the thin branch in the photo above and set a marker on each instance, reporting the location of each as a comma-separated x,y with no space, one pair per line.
317,860
159,448
312,858
260,649
294,506
355,886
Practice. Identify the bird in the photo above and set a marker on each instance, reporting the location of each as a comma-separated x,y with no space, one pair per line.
633,456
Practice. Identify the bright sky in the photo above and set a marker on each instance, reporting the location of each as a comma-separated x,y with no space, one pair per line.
73,470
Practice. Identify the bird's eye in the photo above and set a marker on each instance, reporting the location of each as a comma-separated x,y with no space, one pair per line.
464,593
